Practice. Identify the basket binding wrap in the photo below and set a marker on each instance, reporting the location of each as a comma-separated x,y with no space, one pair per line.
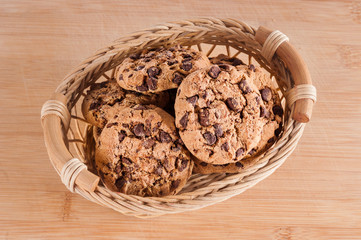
270,49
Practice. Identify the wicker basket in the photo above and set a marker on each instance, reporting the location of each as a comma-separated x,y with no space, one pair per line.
65,130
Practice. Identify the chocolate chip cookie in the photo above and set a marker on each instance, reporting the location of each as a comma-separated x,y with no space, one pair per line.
273,114
139,152
98,104
160,69
218,112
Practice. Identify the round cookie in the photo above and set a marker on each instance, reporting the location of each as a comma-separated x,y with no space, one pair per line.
98,104
139,152
270,132
160,69
218,113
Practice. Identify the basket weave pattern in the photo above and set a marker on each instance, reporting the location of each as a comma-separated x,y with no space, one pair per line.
236,38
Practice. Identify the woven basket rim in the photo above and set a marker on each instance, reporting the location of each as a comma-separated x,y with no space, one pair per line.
221,186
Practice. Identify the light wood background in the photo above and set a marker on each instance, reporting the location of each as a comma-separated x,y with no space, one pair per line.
316,194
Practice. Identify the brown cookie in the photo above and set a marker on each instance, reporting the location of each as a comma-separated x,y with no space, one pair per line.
160,69
139,152
218,114
273,113
98,104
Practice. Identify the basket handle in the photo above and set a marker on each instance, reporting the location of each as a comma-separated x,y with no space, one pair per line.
59,155
298,68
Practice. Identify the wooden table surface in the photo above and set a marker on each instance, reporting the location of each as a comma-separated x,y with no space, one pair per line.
316,194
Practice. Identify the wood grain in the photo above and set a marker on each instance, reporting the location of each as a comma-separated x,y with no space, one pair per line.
316,194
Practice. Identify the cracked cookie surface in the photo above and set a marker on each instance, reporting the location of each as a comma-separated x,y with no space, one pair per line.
219,114
271,130
99,103
160,69
139,152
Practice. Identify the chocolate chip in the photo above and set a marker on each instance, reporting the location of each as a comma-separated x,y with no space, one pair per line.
120,77
126,125
149,143
225,67
184,120
95,105
232,104
239,152
193,100
252,151
277,110
223,165
134,56
172,62
225,147
117,169
243,85
252,67
204,164
210,138
119,183
214,71
186,66
177,78
204,96
121,135
236,62
139,67
271,140
203,117
182,165
164,137
178,91
266,94
152,83
138,130
175,184
187,56
239,164
263,112
111,124
143,87
147,59
126,161
153,72
130,75
159,170
218,130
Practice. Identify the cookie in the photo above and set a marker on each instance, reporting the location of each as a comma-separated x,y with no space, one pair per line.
160,69
98,104
270,131
139,152
218,113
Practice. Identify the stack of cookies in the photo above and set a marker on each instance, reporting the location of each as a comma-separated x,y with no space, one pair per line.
171,112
